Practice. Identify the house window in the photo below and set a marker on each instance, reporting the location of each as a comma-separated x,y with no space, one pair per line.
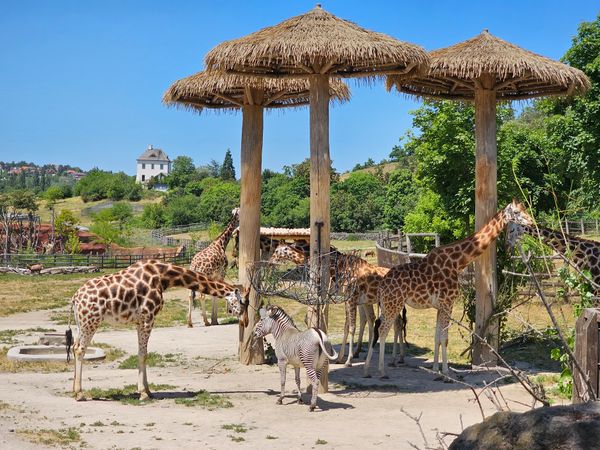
143,166
152,167
161,167
143,177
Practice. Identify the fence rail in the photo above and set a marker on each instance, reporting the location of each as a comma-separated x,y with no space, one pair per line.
101,261
582,226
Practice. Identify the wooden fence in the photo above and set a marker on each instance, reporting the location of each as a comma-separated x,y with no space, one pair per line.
101,261
582,226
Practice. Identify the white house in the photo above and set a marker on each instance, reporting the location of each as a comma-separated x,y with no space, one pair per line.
152,163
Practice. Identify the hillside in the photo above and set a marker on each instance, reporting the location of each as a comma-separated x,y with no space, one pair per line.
386,167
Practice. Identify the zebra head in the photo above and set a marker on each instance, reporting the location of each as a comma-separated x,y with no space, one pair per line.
266,323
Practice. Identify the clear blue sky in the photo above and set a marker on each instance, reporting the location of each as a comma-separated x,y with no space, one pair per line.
81,81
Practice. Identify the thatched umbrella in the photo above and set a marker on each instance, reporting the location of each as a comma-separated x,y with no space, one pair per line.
486,69
317,45
228,92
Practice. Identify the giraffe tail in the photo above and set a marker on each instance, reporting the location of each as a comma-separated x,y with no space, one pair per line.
69,335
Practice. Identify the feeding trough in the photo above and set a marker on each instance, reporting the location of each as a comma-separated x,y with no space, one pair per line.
50,353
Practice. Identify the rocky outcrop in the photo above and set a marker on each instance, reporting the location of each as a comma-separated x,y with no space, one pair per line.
572,427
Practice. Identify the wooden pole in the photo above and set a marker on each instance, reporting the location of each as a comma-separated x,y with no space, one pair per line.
319,193
251,162
486,204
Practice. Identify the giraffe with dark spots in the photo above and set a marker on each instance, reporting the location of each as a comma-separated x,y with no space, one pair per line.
584,253
412,284
129,297
212,262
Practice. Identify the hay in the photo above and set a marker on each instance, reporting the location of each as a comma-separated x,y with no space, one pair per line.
519,74
217,90
317,43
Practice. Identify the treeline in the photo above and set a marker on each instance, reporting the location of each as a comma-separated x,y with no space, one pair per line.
22,175
99,185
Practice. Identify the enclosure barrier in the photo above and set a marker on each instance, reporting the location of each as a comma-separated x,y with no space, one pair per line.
100,261
587,348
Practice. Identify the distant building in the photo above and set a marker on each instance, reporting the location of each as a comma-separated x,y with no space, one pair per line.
153,163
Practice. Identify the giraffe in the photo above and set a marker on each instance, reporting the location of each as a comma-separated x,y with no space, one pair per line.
585,253
134,295
212,262
267,246
433,283
365,280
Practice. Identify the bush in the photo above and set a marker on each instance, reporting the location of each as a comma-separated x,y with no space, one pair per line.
98,185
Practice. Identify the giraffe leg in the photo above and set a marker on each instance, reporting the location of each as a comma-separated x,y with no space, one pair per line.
444,326
352,328
190,307
86,332
297,370
369,353
215,312
282,366
398,341
203,305
384,328
369,317
436,343
144,328
313,376
345,337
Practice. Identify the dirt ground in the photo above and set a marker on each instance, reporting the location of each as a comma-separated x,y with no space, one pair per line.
356,413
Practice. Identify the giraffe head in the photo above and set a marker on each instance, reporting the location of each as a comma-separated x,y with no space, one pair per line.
237,304
515,212
514,232
287,253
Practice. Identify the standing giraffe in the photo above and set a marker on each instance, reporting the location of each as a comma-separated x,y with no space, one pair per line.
433,283
267,246
585,253
212,262
364,279
134,295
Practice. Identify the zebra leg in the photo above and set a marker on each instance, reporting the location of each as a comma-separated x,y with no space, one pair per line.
190,307
313,376
215,312
282,366
297,370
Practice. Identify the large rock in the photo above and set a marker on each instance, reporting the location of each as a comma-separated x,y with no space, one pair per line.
569,427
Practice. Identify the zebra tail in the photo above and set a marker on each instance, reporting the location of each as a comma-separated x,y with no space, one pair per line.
322,344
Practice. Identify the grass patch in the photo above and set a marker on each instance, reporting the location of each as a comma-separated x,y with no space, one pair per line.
235,427
320,442
127,395
206,400
236,438
21,294
550,384
271,437
98,423
4,405
112,353
61,437
8,336
153,360
10,366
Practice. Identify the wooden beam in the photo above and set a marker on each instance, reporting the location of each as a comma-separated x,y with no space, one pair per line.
319,195
229,99
486,205
251,165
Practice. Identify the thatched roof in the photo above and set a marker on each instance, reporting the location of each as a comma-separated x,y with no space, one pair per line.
317,42
519,74
217,90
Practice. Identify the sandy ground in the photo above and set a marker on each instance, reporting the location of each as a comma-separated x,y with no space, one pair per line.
356,413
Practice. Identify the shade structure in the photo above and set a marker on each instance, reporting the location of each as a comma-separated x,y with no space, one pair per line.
486,69
216,90
317,45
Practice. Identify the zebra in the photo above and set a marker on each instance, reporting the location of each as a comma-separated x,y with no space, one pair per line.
307,348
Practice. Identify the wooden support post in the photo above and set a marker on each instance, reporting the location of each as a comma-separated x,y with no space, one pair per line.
320,166
587,335
249,249
486,204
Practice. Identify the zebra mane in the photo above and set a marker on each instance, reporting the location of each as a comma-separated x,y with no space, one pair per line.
279,313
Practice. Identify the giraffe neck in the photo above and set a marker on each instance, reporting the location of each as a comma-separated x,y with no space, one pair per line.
559,241
181,277
474,245
223,239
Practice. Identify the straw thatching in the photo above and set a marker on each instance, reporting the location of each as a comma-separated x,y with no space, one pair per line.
317,43
519,74
217,90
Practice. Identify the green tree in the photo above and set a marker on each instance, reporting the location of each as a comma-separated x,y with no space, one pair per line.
357,203
402,193
227,172
182,172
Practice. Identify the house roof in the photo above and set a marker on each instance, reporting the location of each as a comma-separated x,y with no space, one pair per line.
155,154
